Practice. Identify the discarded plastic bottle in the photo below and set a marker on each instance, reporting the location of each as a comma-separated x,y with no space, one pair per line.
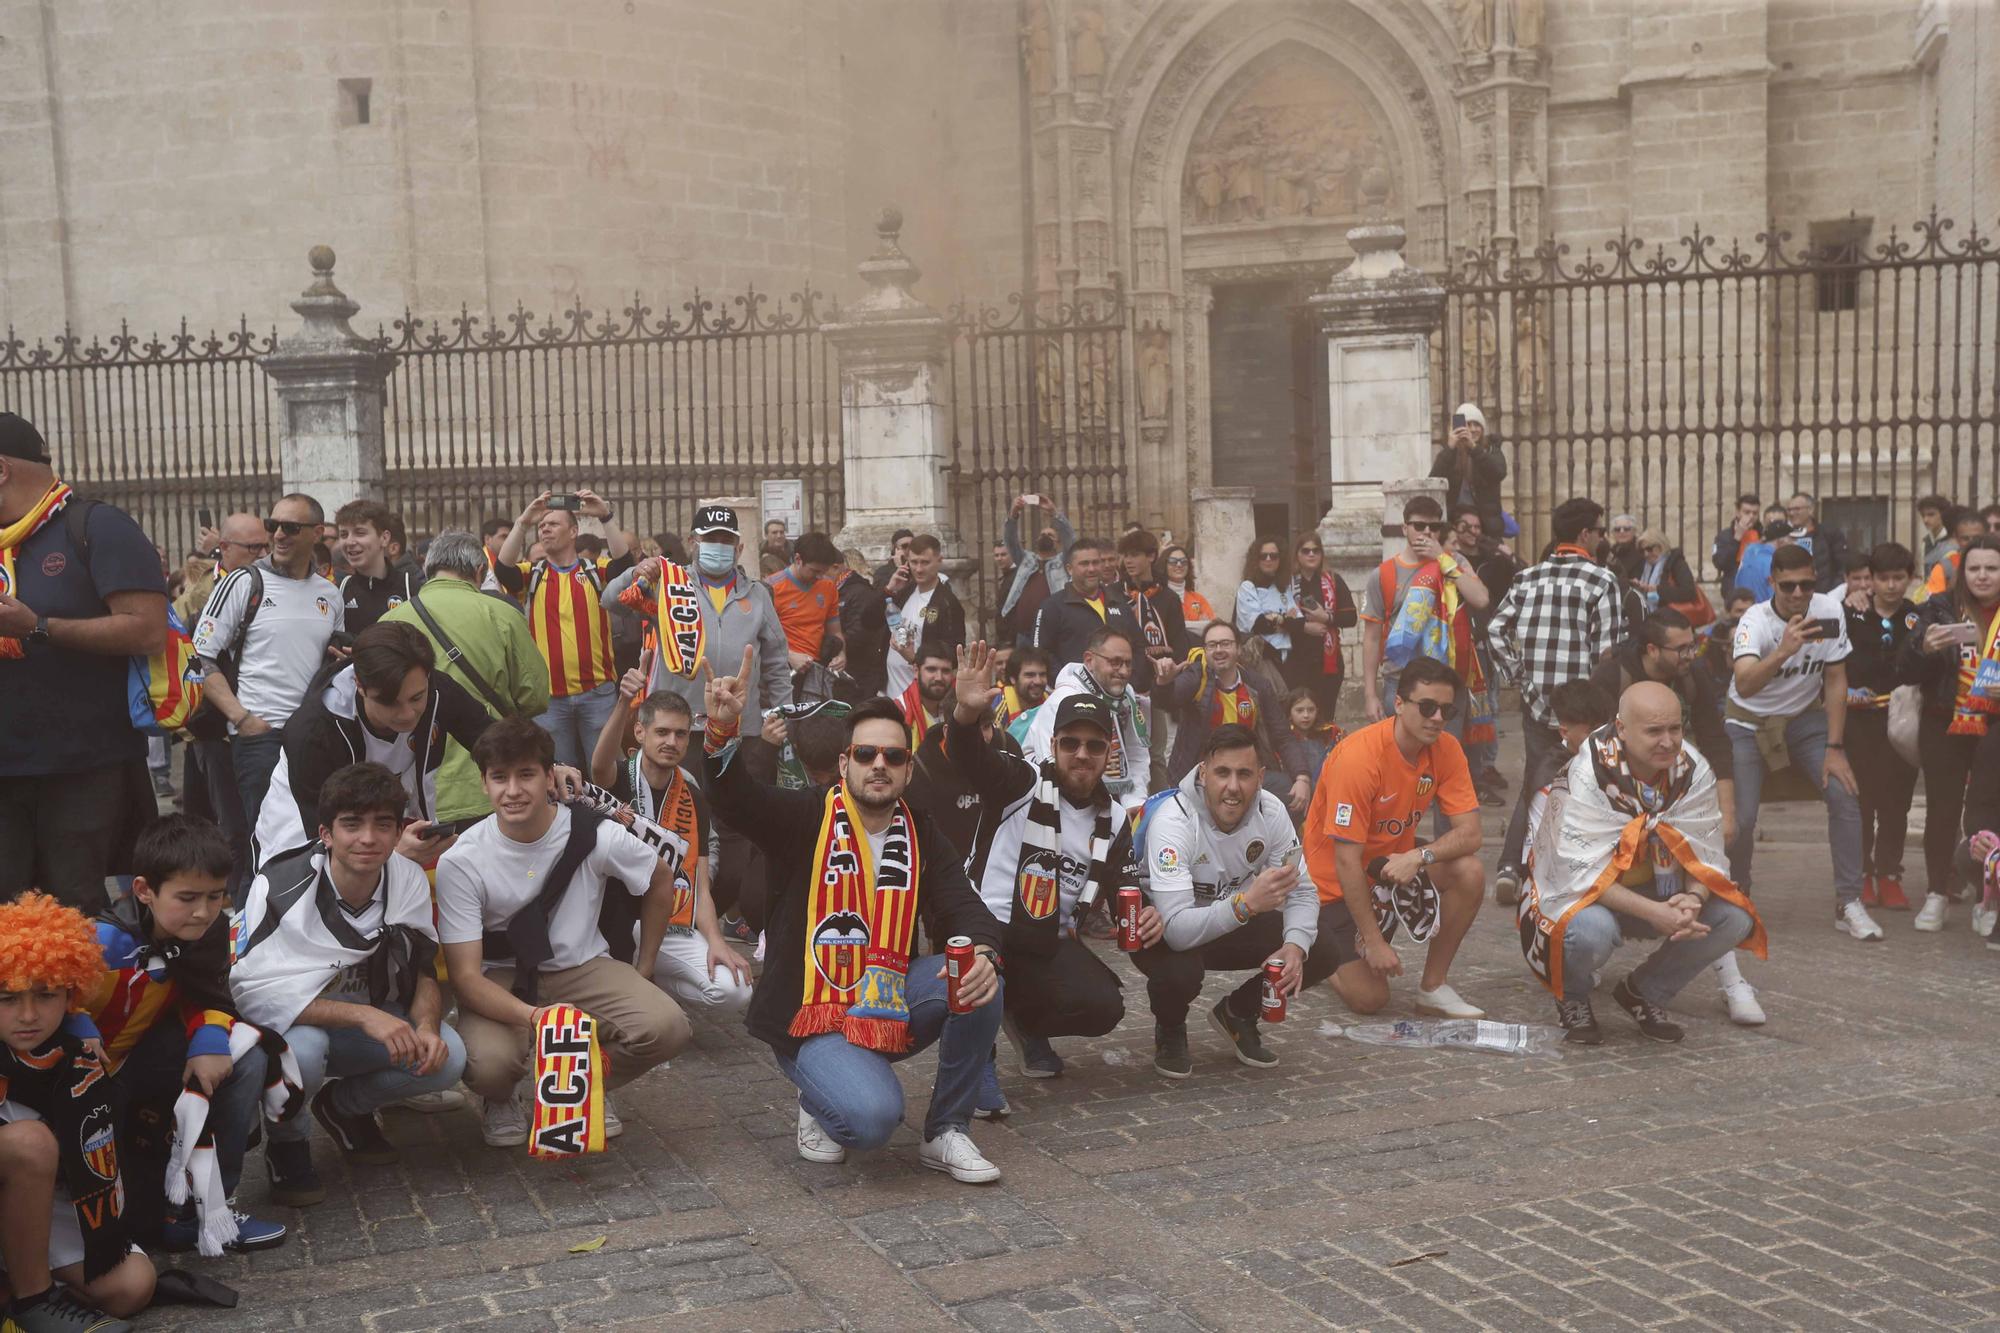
1471,1034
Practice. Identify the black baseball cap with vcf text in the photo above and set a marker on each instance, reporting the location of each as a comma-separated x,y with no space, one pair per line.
1085,708
716,518
19,439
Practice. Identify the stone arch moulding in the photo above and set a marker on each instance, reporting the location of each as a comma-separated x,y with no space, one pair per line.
1182,66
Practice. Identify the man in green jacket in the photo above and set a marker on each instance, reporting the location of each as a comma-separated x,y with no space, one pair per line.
496,660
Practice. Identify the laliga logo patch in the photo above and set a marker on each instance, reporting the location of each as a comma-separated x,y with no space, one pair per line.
839,946
99,1143
1168,859
1343,815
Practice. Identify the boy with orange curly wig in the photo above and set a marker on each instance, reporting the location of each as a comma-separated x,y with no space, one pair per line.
61,1200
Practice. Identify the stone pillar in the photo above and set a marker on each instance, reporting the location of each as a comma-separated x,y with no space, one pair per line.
1225,523
329,381
1377,315
895,406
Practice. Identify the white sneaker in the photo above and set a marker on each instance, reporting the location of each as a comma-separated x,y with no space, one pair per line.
1983,919
613,1126
953,1151
1444,1002
1743,1007
1930,916
1854,919
814,1143
503,1124
433,1103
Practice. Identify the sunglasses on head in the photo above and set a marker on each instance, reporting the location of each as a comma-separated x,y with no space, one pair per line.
895,756
1432,708
1095,747
275,526
1423,525
1794,585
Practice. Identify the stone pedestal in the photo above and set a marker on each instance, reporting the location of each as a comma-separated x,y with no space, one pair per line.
895,407
329,381
1377,316
1225,523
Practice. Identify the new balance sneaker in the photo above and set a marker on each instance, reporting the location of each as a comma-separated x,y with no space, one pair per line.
357,1136
815,1144
1930,917
1652,1019
990,1103
736,929
1243,1036
1038,1058
60,1312
1444,1002
503,1124
1170,1051
953,1152
1854,919
294,1181
1889,895
182,1231
1507,886
1579,1022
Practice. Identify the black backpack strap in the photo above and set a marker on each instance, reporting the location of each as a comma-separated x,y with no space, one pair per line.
291,877
453,657
526,938
76,519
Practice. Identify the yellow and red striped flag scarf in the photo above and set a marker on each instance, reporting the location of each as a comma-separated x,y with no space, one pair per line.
16,534
861,915
569,1084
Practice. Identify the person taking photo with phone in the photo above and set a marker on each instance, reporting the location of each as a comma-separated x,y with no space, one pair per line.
1951,652
1789,684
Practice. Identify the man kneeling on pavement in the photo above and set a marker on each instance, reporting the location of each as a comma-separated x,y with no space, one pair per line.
1631,847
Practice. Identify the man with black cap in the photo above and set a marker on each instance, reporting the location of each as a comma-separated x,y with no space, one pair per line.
80,593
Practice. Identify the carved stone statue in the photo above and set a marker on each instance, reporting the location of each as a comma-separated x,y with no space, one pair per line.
1038,47
1293,144
1524,23
1049,392
1531,360
1156,371
1086,55
1474,21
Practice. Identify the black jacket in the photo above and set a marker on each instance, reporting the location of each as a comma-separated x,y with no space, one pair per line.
1829,553
940,789
864,624
1485,466
787,824
1065,622
944,617
1701,706
1173,622
1677,583
368,600
1189,695
1935,673
1876,662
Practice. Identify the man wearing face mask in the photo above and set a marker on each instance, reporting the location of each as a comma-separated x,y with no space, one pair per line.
1041,575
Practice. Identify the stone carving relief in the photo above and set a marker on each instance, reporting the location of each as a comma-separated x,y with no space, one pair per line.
1156,373
1087,57
1038,49
1472,20
1531,357
1521,22
1294,144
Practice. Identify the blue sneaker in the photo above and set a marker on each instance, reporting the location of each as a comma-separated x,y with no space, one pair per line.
252,1233
991,1103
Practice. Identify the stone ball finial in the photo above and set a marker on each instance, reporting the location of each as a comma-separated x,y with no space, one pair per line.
889,224
321,259
1375,186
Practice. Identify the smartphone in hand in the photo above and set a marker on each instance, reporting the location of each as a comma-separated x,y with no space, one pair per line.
570,502
1828,626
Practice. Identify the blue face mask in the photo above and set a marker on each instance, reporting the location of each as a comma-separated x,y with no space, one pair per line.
715,558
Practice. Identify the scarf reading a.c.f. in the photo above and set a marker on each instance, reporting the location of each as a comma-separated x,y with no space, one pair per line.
861,917
682,640
15,535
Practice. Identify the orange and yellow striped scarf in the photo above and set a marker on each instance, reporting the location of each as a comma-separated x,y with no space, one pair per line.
861,916
683,632
14,536
569,1084
1972,709
915,714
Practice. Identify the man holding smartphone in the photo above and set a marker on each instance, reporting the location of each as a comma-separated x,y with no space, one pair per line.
1789,665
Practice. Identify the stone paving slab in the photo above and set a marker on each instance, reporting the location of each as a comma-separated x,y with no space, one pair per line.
1834,1170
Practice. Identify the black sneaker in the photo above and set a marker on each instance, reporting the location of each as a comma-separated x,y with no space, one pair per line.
1507,885
61,1312
1242,1034
736,929
294,1182
1038,1058
359,1137
1652,1019
1170,1051
1579,1022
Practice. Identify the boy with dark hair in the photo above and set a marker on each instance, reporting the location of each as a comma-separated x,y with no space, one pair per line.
337,954
1878,629
165,1016
369,536
1028,674
59,1166
809,604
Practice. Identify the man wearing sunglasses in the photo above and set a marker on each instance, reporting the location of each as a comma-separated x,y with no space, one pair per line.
1053,846
1790,684
1423,565
1374,791
281,645
1110,662
843,996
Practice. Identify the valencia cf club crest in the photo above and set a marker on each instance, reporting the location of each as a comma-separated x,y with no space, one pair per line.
684,898
839,948
1426,784
1041,880
99,1142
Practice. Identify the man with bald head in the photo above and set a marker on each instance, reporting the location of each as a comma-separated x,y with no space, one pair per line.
1631,847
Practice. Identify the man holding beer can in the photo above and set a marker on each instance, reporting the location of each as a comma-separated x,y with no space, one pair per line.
1227,893
1051,845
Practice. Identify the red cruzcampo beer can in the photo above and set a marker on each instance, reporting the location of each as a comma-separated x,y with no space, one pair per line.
1130,900
1274,990
958,958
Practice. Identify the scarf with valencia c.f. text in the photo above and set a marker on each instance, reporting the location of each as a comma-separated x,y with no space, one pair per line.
861,918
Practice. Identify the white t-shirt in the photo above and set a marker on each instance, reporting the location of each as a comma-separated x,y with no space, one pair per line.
909,632
351,982
1800,682
487,877
286,645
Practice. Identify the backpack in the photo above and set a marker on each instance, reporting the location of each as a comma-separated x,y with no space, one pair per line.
162,689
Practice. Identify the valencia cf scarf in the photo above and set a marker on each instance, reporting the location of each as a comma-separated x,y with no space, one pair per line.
669,831
193,1171
13,537
683,634
1977,697
915,714
861,916
65,1084
570,1071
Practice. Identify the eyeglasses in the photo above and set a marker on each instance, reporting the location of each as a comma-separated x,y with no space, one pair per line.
1266,557
1309,550
1423,525
1431,708
895,756
1794,585
258,547
1091,746
274,526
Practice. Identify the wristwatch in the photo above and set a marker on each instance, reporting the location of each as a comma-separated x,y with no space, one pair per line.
40,633
1427,856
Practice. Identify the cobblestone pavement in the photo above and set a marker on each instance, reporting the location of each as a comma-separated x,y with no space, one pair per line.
1832,1170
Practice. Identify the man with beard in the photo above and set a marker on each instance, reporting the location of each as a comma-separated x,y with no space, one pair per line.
1105,673
1027,675
1052,847
924,701
1068,622
843,997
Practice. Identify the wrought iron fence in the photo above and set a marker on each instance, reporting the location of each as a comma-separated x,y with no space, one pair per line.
1666,381
1039,404
162,428
653,413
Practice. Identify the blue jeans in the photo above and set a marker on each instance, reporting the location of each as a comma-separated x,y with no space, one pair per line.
1805,739
1595,931
855,1095
575,722
369,1081
255,759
